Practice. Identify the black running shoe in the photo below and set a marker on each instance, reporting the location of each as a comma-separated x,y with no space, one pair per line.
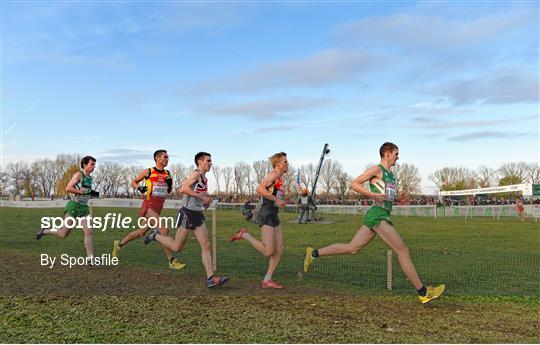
151,236
40,234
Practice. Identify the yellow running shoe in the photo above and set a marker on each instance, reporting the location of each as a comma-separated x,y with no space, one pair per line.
308,259
432,293
116,249
176,264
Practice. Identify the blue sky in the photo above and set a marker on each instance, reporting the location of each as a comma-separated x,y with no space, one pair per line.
453,84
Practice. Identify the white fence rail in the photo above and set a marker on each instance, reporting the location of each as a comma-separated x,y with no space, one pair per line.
493,211
135,203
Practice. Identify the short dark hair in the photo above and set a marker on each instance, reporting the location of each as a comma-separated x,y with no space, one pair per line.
87,159
159,153
201,155
387,147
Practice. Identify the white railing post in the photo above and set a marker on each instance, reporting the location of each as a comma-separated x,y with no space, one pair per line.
389,270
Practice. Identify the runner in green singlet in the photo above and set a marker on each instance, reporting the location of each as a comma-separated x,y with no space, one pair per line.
382,189
80,189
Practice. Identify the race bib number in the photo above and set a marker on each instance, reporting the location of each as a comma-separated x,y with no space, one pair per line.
390,191
159,191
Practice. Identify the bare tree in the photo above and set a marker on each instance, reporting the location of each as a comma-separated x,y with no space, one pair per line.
241,176
261,169
99,180
342,184
251,181
39,170
329,173
289,182
408,179
109,176
307,175
130,173
46,175
451,178
30,184
179,172
14,171
227,178
533,173
486,176
4,182
518,170
125,173
51,175
237,179
216,170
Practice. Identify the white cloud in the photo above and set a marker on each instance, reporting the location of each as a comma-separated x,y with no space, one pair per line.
490,135
189,16
426,122
263,109
269,129
509,85
124,155
429,32
323,68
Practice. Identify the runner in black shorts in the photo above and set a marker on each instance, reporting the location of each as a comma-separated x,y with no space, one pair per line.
271,244
191,217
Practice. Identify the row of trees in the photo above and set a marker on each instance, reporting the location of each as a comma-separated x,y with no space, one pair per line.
243,178
452,178
45,177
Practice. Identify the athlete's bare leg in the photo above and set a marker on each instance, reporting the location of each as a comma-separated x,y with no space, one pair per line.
390,236
151,217
201,234
175,244
266,246
278,251
62,232
88,238
363,236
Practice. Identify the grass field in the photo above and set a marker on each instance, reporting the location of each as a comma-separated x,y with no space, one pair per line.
491,268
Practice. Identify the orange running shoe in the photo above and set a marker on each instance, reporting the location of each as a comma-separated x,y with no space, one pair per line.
238,235
270,284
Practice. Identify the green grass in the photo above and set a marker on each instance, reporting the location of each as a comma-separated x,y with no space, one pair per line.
263,319
491,268
474,256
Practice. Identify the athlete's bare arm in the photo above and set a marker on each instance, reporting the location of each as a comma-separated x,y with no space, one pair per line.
70,188
262,188
358,183
139,178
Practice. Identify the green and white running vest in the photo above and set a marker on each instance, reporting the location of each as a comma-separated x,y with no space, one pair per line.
388,186
86,182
